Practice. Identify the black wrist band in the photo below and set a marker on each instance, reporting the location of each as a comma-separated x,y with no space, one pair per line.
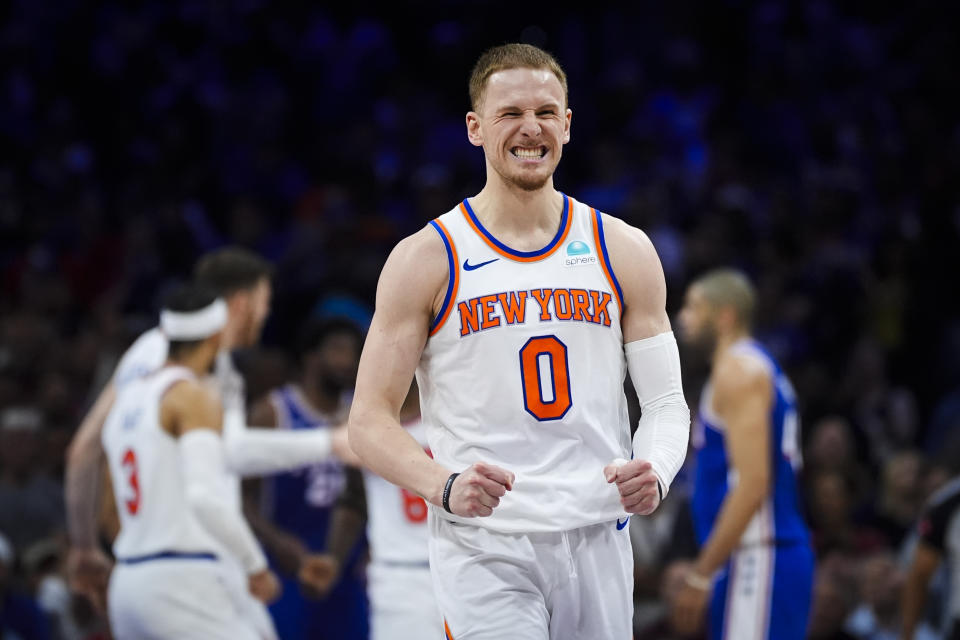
446,492
660,490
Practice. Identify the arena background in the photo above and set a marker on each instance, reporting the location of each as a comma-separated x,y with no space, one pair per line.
813,144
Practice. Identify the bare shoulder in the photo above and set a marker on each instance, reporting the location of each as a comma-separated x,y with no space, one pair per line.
415,271
189,404
737,377
263,413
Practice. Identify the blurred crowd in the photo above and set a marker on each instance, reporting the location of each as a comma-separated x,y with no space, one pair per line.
816,146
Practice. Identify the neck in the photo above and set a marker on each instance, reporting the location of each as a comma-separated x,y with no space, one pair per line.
230,337
320,395
727,340
199,361
506,207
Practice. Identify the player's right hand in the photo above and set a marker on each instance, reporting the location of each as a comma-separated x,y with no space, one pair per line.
264,586
477,490
88,574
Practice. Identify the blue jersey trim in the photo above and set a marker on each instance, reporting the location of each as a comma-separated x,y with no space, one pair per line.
522,254
606,256
451,281
168,555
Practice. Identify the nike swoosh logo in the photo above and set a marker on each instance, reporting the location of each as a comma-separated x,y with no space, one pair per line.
470,267
621,525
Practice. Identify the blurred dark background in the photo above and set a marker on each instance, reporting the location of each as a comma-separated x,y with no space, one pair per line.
813,144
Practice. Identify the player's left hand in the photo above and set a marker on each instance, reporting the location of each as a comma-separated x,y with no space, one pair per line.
88,574
637,483
317,574
690,605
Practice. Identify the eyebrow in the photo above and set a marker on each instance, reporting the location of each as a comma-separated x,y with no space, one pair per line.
548,105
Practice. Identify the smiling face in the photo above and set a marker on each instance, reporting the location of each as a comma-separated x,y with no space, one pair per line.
522,124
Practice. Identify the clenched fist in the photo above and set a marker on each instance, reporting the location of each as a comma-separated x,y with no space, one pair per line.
637,484
476,492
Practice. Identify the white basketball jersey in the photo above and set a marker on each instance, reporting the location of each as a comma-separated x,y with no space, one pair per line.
396,519
148,353
524,369
145,471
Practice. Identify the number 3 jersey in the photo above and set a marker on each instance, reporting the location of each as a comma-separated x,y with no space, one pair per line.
524,367
145,471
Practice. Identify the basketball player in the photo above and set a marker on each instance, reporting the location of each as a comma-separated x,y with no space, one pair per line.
297,520
243,280
162,443
402,604
521,310
939,532
755,554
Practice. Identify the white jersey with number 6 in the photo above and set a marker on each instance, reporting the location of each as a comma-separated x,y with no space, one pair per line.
145,471
524,369
397,519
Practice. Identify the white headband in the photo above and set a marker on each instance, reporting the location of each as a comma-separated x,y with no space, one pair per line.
194,325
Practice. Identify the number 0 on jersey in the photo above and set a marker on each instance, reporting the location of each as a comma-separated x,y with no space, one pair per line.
545,377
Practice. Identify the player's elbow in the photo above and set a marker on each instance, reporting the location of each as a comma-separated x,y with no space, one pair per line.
357,433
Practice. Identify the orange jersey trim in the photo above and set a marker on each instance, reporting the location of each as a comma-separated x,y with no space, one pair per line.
605,259
521,256
453,282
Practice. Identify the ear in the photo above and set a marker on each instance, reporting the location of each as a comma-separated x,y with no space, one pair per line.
473,129
568,116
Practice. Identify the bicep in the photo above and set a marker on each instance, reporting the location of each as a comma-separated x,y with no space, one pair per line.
637,267
400,327
926,558
742,400
263,414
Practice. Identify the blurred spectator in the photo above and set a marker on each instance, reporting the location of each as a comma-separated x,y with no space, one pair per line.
20,617
831,508
877,616
31,502
834,598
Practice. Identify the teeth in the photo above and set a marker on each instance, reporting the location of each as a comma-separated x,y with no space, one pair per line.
520,152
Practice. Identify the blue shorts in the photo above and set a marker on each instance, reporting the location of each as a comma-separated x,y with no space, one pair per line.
764,593
343,615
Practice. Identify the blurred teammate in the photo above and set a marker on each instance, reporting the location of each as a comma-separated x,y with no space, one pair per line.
402,604
755,552
162,443
309,541
242,279
510,310
939,531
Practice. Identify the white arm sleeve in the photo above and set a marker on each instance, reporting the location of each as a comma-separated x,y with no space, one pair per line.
203,468
664,429
253,452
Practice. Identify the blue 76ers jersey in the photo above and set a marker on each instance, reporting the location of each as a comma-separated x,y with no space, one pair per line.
779,519
301,501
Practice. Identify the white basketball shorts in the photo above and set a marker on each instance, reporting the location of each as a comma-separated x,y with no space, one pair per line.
568,585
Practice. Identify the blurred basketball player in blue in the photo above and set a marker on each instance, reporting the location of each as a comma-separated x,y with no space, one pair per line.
755,555
324,595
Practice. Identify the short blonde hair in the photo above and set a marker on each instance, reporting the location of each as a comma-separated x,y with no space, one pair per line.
511,56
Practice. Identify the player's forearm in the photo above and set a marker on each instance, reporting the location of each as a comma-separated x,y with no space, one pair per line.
388,450
735,514
83,471
252,451
912,601
285,549
82,487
